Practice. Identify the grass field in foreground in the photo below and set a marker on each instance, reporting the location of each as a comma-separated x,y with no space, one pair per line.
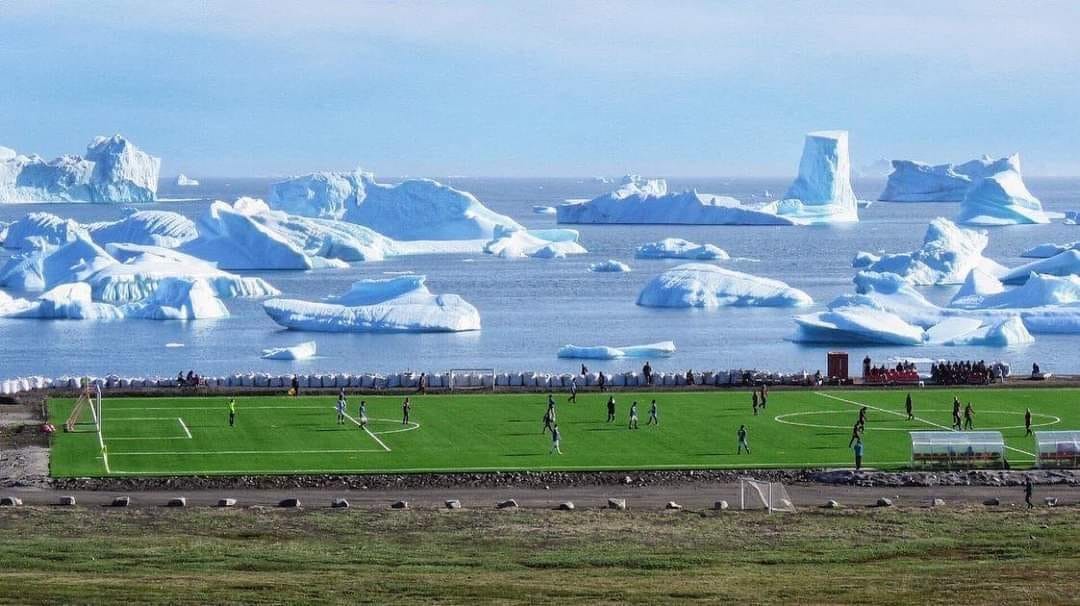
203,556
472,432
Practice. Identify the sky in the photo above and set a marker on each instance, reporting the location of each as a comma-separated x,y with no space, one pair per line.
545,88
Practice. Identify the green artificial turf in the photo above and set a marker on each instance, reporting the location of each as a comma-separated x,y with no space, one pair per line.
472,432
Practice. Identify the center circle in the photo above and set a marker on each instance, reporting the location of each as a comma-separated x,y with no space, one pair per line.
1051,419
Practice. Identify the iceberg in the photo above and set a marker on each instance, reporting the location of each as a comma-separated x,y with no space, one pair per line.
415,209
1045,251
647,201
947,256
710,286
543,210
38,229
303,351
43,268
512,243
912,181
150,227
677,248
662,349
400,304
822,192
114,170
1009,332
1065,263
1072,217
609,266
857,325
174,299
864,259
1001,198
183,180
977,286
1038,291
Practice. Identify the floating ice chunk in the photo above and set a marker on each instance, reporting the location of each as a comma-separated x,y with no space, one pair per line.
3,231
64,302
950,330
143,268
705,285
1062,264
677,248
304,350
401,304
647,201
173,300
114,170
178,299
977,286
947,255
41,269
183,180
543,210
856,324
611,265
1045,251
150,227
662,349
912,181
1072,217
1038,291
39,229
540,243
1009,332
864,259
1001,199
416,209
174,345
822,192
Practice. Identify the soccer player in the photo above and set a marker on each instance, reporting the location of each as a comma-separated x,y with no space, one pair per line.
862,418
405,408
907,407
764,395
856,434
421,384
573,390
1028,489
232,412
969,417
363,414
610,409
295,386
1027,422
341,404
858,454
647,372
654,415
743,443
633,416
754,401
551,405
549,419
555,435
956,414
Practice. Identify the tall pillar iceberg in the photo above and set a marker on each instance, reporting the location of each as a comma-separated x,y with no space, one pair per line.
822,192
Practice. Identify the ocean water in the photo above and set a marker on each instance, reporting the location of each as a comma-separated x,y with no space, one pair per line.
531,307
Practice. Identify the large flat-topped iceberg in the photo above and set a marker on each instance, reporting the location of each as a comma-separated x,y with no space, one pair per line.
709,286
647,201
114,170
822,192
174,299
401,304
1001,198
662,349
415,209
947,256
677,248
912,181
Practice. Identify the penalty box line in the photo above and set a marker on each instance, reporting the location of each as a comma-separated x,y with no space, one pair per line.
921,420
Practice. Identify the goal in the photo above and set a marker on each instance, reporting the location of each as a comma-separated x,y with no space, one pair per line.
475,379
772,496
89,400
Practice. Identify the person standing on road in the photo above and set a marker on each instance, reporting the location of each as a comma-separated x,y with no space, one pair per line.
654,415
908,408
406,406
743,442
1029,488
232,412
633,416
1027,422
969,417
555,435
610,409
858,454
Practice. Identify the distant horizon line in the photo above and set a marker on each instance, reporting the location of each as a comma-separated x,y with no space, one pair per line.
565,177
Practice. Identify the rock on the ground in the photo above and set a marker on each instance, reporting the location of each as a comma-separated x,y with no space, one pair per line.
566,506
507,504
937,503
673,505
340,504
67,501
884,502
177,502
720,505
121,501
453,504
228,502
400,505
10,501
832,504
619,504
992,502
289,502
1050,501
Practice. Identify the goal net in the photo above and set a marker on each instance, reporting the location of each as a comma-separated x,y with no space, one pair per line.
462,379
764,495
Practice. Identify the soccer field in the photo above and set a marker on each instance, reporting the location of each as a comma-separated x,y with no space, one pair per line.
487,432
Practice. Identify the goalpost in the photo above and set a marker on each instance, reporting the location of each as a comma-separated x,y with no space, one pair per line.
89,399
772,496
482,379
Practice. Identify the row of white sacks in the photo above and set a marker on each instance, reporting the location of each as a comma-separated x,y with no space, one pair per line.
410,380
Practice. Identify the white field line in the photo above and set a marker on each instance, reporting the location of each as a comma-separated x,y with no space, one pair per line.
184,425
112,420
368,470
900,414
786,419
237,452
144,438
367,431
